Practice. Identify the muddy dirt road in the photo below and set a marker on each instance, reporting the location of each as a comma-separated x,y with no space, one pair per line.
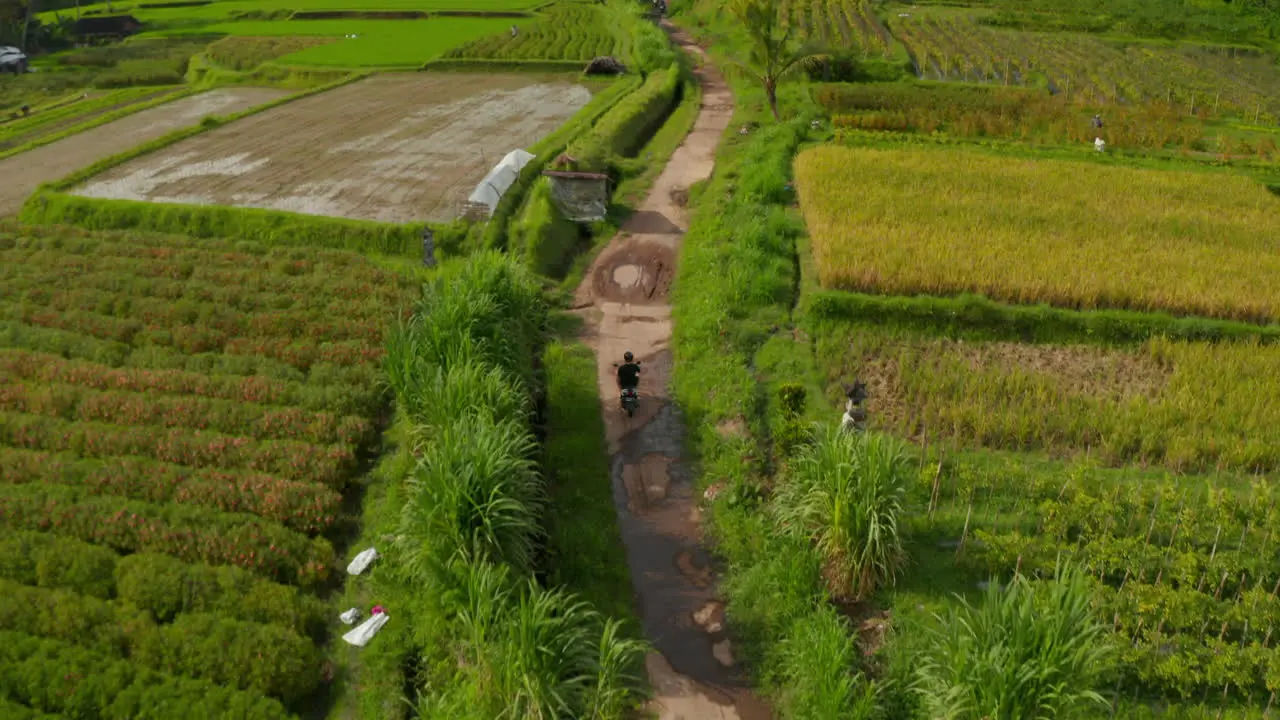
22,173
400,147
624,301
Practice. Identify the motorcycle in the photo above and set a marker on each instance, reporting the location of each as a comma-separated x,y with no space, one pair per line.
630,401
629,398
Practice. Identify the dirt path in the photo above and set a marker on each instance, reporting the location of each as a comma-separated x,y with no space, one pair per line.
624,299
22,173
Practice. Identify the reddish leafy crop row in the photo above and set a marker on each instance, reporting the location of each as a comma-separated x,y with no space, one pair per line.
61,243
250,656
305,507
313,323
60,678
20,364
242,292
328,464
193,339
71,402
188,533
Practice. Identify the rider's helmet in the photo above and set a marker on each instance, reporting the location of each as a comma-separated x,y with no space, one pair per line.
628,356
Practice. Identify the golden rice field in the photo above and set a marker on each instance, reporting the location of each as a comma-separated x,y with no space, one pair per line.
1071,234
1187,406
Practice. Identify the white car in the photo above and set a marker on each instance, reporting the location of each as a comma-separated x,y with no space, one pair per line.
12,59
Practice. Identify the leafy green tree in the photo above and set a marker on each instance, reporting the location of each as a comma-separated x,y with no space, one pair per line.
773,52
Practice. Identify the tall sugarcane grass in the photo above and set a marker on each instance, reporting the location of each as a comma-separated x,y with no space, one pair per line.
470,534
1070,234
526,651
487,309
845,493
1033,650
475,495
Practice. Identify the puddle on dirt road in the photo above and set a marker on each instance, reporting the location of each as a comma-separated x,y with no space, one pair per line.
627,276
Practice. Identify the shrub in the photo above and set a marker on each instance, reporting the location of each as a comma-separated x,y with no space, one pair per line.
50,561
271,227
165,587
268,659
818,671
192,534
846,493
58,678
1031,650
489,309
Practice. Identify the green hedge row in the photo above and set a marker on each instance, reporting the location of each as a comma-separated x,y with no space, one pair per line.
56,677
546,150
17,711
166,587
266,226
544,238
977,316
628,125
191,534
268,659
158,584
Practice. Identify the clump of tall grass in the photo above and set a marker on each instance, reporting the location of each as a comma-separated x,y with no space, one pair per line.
474,495
526,651
845,493
1031,650
818,664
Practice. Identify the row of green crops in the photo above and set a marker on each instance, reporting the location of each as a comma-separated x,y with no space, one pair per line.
467,499
179,420
564,31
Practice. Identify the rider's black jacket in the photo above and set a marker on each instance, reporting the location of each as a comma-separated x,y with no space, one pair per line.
628,375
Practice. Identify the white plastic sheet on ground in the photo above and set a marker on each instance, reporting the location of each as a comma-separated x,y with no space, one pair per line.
495,184
365,631
362,561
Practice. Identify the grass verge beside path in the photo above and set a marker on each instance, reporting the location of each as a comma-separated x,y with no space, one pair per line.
732,302
585,550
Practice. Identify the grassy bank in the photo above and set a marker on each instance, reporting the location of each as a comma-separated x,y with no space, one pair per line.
460,511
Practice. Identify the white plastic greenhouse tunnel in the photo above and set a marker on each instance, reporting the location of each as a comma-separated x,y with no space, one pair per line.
484,199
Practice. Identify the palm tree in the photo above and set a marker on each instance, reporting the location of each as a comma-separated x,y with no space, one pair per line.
774,52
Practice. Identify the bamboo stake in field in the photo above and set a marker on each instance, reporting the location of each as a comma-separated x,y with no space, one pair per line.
964,533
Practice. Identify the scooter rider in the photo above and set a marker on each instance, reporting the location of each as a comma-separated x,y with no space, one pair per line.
628,372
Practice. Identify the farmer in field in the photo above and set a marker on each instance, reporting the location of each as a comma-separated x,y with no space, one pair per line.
1097,121
513,31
